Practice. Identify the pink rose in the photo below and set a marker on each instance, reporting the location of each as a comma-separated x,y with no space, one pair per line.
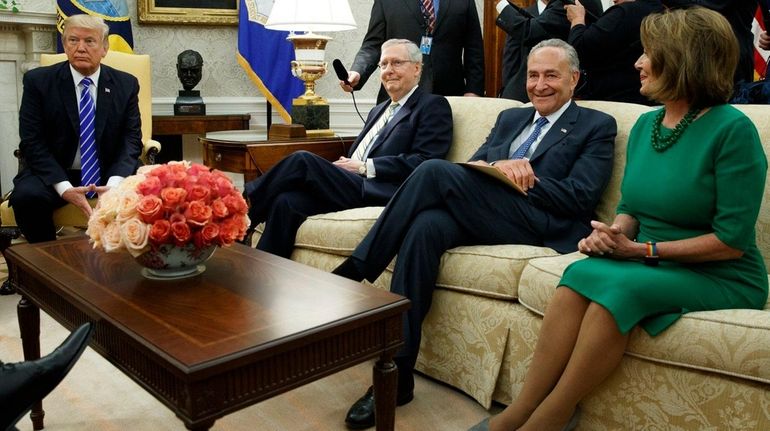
150,208
197,169
223,184
229,231
160,232
134,234
173,197
235,203
150,186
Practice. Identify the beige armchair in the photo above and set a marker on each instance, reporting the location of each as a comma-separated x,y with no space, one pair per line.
69,215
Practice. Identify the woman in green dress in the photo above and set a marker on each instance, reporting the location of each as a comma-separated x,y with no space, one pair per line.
683,238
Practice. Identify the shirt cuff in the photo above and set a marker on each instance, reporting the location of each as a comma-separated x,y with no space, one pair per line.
114,181
501,5
62,187
370,172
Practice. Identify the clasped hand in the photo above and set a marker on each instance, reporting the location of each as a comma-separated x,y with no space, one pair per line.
517,170
607,240
77,196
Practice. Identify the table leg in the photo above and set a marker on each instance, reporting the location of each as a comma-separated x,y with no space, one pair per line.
29,327
203,426
385,386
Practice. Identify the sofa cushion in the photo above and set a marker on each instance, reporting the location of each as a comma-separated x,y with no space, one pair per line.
729,342
487,270
471,129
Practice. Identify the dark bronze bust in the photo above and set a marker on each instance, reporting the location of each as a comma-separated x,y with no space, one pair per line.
189,68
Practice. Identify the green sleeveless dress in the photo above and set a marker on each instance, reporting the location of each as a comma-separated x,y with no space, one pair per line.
710,181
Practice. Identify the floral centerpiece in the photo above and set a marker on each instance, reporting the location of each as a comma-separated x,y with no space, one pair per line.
179,211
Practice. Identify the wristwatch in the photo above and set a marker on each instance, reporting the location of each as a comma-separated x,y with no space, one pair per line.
651,258
362,170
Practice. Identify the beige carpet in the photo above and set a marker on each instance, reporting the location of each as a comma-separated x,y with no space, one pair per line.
95,396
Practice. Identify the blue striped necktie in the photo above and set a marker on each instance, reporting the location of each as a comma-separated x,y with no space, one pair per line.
89,162
524,147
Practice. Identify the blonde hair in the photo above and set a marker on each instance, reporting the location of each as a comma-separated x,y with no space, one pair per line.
693,54
87,21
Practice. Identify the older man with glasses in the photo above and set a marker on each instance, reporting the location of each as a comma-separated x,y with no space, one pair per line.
410,127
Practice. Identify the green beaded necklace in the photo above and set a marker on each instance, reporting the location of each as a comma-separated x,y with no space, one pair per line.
662,144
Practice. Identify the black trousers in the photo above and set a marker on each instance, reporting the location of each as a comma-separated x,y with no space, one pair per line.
440,206
33,204
300,185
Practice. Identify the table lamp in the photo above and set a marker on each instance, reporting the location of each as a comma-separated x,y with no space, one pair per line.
310,109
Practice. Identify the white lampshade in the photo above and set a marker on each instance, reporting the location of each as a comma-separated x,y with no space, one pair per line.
311,15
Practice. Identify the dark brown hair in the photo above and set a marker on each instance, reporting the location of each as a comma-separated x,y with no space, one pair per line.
693,54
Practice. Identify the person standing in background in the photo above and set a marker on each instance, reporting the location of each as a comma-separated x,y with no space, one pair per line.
448,33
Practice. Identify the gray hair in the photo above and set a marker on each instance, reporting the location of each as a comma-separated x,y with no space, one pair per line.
415,55
569,52
87,21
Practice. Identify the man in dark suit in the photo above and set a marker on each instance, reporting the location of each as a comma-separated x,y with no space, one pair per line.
558,153
449,37
409,128
54,137
511,50
525,30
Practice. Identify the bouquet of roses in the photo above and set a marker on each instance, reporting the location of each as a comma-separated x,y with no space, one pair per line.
179,203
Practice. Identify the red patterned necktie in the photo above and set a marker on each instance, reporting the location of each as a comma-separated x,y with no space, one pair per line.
430,15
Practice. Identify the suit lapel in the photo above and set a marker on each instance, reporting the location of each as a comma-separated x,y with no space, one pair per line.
373,117
403,113
68,96
560,129
503,151
103,102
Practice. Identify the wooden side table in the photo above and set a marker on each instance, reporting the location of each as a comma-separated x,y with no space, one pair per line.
251,153
168,130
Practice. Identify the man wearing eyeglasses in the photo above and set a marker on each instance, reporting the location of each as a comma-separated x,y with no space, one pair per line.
80,130
410,127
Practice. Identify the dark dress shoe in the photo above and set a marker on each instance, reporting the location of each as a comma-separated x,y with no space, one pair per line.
361,413
24,383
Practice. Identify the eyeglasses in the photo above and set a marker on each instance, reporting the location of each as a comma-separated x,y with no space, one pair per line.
397,64
75,41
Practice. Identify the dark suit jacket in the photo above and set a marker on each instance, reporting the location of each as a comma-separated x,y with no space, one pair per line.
573,163
740,15
420,130
49,123
456,63
511,51
528,31
608,50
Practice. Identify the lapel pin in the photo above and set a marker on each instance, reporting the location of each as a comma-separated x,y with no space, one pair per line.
107,90
564,130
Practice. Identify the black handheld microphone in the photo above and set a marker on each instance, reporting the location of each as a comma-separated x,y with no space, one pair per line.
340,70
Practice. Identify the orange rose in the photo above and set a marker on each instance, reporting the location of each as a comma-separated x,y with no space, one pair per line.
160,232
235,203
198,213
219,209
181,233
173,197
206,236
229,231
197,192
150,208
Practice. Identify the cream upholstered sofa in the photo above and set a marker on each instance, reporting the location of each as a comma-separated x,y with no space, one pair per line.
709,371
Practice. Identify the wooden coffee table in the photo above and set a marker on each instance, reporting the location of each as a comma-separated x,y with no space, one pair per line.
250,327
